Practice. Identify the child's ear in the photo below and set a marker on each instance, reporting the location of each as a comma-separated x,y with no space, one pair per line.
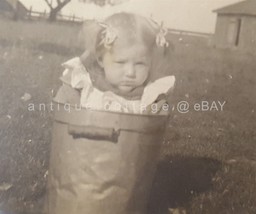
85,55
100,61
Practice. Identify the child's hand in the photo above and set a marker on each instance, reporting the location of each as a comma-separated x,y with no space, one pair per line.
154,90
159,106
67,94
155,108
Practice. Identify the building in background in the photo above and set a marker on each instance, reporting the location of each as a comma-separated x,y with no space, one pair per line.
236,26
6,9
13,9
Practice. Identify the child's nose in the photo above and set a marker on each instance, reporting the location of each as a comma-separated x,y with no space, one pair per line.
130,70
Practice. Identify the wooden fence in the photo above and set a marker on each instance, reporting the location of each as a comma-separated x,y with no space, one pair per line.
35,15
189,33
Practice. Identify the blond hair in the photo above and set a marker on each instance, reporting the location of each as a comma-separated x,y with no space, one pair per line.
132,29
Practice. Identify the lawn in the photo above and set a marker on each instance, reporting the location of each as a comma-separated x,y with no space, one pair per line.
208,161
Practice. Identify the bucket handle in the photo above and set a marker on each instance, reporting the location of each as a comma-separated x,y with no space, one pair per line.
94,133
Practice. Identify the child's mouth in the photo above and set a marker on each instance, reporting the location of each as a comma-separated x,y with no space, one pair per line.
126,87
127,83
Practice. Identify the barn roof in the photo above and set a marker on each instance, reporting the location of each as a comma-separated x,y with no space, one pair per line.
5,6
11,5
247,7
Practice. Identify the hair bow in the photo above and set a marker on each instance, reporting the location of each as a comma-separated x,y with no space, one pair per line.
160,37
109,35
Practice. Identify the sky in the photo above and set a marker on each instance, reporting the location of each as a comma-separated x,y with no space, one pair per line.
191,15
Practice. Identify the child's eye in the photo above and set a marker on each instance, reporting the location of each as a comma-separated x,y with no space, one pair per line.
140,63
120,61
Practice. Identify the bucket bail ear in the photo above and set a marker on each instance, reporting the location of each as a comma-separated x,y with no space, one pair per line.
108,35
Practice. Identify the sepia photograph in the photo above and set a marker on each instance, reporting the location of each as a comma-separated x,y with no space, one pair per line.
127,107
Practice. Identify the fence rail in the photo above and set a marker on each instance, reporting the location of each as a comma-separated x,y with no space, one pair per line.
189,33
36,15
44,15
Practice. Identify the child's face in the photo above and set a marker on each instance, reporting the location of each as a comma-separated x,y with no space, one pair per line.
127,67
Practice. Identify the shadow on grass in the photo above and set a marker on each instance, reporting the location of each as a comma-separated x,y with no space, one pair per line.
178,179
58,49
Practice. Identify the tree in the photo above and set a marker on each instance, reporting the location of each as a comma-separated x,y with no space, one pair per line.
104,2
98,2
55,7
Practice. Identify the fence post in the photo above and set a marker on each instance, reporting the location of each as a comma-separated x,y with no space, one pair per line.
30,13
16,12
42,15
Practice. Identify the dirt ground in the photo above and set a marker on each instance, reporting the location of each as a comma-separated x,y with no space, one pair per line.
208,159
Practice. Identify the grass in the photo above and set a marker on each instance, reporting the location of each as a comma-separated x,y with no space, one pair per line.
208,160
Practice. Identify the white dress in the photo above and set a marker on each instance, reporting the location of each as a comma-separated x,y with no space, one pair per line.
93,98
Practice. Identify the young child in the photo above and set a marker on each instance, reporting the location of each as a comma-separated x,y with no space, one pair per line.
117,72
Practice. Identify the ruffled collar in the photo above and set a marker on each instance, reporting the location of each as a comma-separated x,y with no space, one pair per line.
79,77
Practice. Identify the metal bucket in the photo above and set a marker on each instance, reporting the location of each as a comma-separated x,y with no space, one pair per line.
102,162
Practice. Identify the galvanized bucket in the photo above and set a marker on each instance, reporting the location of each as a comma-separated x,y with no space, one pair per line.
102,162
